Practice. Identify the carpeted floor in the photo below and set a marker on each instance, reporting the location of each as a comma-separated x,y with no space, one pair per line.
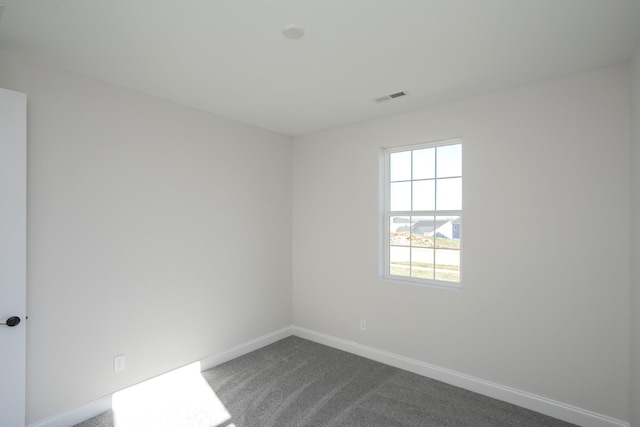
295,382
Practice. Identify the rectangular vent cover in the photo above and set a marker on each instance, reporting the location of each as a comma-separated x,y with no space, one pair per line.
392,96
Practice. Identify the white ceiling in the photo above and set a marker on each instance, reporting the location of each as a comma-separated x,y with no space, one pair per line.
229,57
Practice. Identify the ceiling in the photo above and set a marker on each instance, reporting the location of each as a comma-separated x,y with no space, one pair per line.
229,57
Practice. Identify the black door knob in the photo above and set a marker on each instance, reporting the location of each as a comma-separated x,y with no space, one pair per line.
12,321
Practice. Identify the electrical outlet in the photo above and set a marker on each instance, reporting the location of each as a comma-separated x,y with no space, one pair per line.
363,325
118,363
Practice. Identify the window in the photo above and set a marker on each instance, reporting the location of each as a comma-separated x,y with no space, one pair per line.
423,213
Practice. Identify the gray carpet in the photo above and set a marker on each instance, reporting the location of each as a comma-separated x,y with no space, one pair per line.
295,382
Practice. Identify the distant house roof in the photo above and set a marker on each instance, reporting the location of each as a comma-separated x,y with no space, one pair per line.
427,226
400,219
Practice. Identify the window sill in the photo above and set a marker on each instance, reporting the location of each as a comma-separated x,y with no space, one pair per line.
426,284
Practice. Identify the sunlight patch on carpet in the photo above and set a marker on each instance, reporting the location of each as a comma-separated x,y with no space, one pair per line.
180,398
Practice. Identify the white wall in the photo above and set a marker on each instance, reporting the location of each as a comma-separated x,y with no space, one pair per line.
164,233
155,230
635,239
541,311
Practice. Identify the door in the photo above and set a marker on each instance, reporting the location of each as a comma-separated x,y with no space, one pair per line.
13,257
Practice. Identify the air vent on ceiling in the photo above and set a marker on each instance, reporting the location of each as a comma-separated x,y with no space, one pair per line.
392,96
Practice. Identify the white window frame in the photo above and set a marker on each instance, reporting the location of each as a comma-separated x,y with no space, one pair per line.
388,214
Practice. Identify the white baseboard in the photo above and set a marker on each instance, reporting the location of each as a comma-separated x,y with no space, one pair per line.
99,406
77,415
543,405
244,348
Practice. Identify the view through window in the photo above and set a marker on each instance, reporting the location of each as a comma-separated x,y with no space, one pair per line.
423,213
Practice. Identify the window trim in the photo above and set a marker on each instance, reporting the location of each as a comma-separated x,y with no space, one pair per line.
387,214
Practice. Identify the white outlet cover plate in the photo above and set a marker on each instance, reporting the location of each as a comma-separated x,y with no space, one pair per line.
118,363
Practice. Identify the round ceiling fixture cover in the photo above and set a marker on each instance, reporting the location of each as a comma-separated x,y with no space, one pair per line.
293,31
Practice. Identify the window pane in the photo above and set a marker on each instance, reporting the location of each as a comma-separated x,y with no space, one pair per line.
422,263
448,265
448,232
422,231
399,259
449,194
400,166
424,195
449,161
424,163
399,230
400,197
